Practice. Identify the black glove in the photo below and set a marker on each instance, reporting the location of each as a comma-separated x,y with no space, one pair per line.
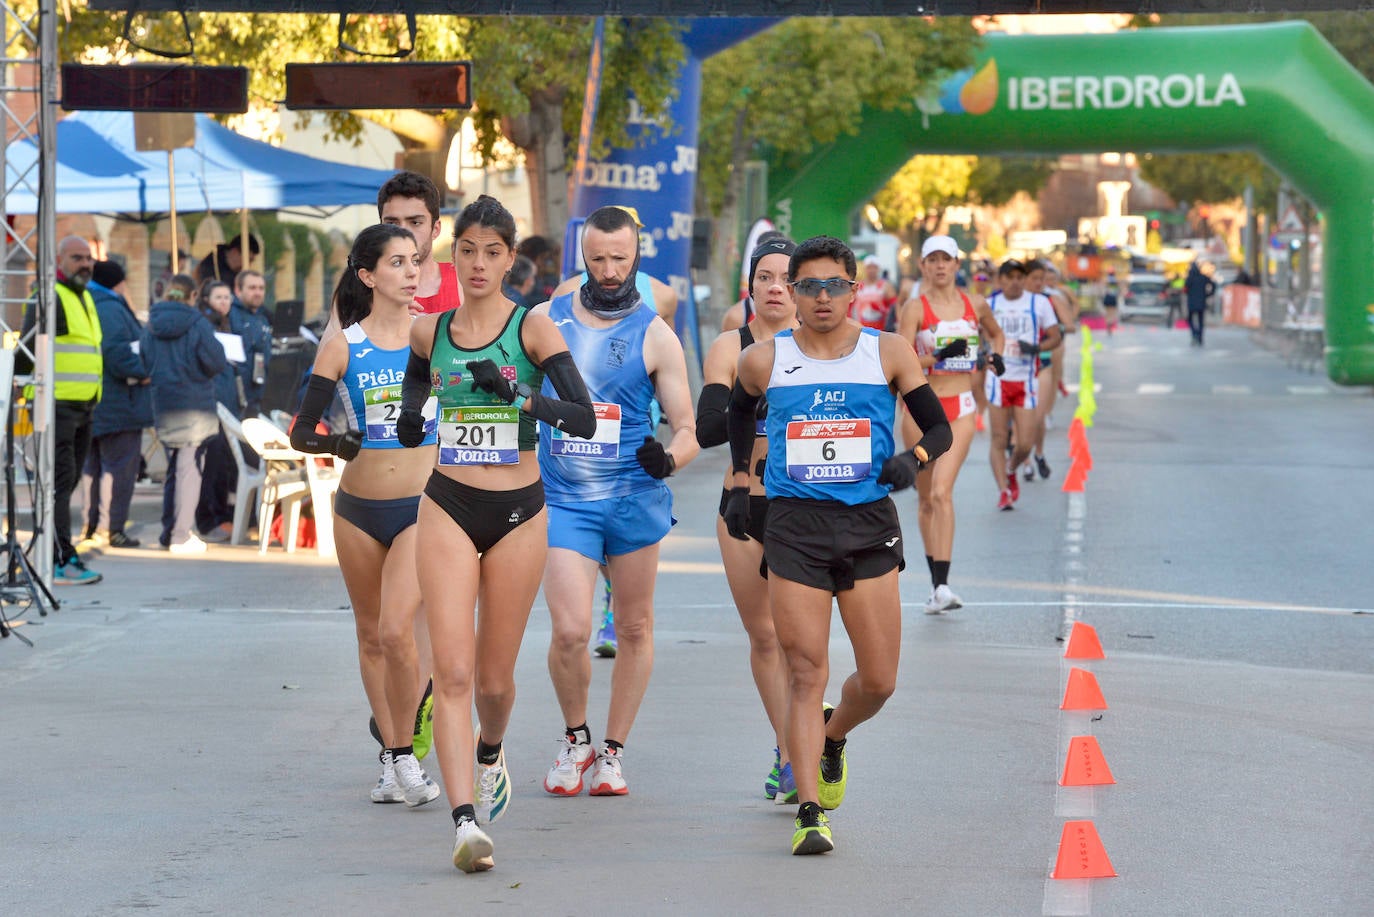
654,459
410,428
998,365
486,375
1028,348
737,513
900,470
346,445
955,348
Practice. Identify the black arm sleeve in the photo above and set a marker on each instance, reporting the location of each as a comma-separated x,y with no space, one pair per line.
572,410
929,415
319,394
415,389
740,426
711,422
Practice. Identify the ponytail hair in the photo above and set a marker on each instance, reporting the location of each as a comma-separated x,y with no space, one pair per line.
352,297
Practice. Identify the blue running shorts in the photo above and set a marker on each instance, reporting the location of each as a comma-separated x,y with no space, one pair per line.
614,526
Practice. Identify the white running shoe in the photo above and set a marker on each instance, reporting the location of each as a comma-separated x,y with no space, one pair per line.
492,789
565,777
942,600
472,849
606,777
192,545
387,789
419,788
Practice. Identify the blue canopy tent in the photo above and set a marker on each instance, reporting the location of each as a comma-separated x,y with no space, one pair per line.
99,170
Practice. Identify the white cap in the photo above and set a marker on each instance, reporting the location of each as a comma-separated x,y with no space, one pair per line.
872,259
940,244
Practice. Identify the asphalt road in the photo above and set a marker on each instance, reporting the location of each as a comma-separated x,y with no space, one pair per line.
190,735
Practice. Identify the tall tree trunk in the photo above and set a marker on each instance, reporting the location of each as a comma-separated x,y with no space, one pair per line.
725,253
539,134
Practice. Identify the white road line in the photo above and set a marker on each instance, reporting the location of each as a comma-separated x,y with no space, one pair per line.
1155,388
1308,390
1231,390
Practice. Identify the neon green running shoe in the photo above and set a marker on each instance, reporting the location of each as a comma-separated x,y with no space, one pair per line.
423,739
830,783
813,831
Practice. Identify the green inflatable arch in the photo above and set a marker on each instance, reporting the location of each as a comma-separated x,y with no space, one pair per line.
1280,90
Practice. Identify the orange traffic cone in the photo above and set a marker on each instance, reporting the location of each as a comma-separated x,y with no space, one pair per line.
1085,765
1076,478
1081,453
1082,692
1083,643
1081,854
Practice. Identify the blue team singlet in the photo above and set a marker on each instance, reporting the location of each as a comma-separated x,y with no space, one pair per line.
611,361
370,390
829,423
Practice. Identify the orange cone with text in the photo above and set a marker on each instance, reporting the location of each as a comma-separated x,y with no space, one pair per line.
1082,692
1083,643
1084,765
1081,854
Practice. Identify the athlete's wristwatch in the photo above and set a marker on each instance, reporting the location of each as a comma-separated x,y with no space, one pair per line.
522,394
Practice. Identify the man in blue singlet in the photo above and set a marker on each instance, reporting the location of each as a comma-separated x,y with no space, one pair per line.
607,500
832,530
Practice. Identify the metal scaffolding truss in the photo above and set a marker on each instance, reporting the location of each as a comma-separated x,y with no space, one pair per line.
28,44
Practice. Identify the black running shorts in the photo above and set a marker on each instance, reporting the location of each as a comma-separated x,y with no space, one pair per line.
828,545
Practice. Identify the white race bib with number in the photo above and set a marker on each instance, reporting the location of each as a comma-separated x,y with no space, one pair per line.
381,407
605,442
956,364
479,436
833,451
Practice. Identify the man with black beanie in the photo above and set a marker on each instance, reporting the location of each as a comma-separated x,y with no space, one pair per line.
125,409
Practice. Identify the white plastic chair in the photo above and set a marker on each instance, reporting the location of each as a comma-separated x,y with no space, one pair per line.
251,479
291,477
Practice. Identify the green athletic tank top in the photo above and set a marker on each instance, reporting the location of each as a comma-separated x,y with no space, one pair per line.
476,427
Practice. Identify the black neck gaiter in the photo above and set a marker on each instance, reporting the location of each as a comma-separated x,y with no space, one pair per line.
611,304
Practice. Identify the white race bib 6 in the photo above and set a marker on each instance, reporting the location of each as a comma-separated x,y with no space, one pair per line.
835,451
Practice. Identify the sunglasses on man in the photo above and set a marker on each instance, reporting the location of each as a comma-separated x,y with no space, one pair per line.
833,286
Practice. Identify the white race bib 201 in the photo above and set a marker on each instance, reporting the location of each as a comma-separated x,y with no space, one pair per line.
479,436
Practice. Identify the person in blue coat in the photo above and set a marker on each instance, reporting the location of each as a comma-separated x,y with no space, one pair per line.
219,473
124,410
253,323
184,358
1198,288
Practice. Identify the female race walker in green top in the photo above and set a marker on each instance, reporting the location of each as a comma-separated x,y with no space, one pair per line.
379,492
482,519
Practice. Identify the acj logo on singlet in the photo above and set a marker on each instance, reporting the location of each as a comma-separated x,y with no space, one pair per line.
825,403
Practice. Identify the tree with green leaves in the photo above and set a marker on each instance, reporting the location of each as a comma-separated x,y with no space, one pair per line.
802,84
528,74
912,204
